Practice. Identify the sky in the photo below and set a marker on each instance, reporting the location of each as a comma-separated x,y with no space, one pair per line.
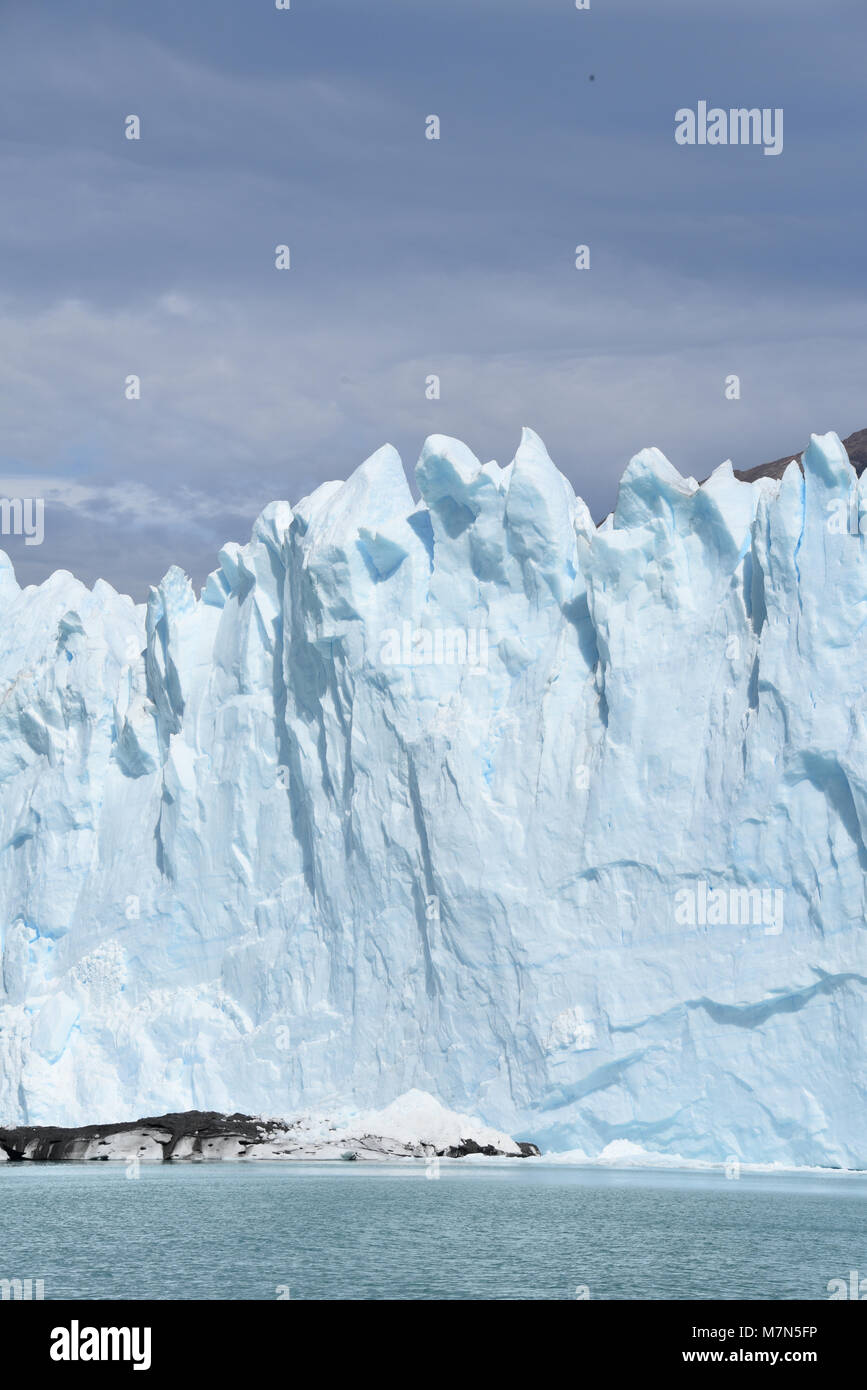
410,257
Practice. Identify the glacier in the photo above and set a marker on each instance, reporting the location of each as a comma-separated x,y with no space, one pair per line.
467,796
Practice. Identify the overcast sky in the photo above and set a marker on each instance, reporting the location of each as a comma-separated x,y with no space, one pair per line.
410,257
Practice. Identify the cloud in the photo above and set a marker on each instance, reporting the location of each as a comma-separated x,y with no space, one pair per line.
409,257
241,403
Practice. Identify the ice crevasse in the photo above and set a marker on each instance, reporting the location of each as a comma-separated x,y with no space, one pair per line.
564,825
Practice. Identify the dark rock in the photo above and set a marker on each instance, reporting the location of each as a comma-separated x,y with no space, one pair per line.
469,1146
855,446
206,1134
53,1144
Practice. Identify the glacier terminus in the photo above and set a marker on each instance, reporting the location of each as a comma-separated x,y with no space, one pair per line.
563,825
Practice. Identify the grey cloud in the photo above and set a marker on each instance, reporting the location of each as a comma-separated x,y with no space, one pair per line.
409,257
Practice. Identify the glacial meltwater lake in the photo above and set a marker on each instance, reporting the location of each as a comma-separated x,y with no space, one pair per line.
503,1230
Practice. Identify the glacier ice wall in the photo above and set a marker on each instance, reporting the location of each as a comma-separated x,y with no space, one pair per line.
288,844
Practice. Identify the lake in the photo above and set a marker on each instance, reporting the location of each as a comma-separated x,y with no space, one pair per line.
501,1230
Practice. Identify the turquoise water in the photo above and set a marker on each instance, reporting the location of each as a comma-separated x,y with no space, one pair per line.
516,1230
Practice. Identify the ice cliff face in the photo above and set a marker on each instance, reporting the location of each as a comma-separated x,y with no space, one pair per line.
563,825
